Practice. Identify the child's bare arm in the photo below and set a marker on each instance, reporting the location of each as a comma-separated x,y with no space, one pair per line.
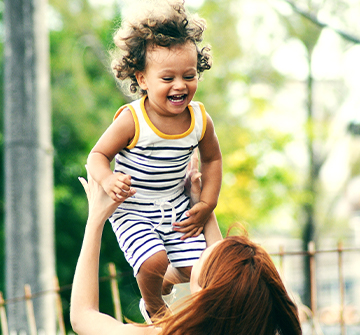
116,137
211,229
211,170
211,166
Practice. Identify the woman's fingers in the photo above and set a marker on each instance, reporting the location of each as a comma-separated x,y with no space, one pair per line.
194,163
85,185
196,177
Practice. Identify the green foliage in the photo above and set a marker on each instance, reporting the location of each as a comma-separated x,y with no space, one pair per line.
258,182
84,99
2,179
254,185
256,179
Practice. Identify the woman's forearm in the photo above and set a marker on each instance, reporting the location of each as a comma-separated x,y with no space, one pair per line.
85,291
84,310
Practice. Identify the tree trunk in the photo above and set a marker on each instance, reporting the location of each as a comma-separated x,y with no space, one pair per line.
29,211
309,207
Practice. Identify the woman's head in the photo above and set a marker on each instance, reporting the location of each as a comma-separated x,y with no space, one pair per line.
239,292
166,24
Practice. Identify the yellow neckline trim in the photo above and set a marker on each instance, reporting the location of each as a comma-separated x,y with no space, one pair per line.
161,134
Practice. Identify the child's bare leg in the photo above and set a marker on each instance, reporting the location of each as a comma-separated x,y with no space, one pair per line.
150,280
175,276
212,231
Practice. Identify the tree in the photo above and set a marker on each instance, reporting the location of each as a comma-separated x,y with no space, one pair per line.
305,26
28,162
253,188
260,178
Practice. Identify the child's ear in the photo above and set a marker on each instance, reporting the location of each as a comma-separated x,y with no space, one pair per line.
141,80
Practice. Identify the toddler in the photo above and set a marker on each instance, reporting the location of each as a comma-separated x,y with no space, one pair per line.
152,140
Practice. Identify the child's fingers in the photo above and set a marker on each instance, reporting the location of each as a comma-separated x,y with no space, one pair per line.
186,226
183,224
122,185
124,191
193,233
124,178
192,211
122,195
114,197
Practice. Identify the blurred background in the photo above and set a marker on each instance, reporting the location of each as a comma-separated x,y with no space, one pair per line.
284,95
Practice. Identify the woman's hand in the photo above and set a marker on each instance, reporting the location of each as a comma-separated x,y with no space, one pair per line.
193,179
101,205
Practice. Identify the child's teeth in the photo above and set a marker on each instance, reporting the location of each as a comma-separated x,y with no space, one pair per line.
177,97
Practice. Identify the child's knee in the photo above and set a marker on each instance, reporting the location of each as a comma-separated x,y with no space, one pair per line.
185,272
156,264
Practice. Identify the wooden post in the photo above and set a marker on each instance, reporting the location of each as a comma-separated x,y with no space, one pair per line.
4,325
59,309
115,292
30,310
341,287
313,278
281,260
313,293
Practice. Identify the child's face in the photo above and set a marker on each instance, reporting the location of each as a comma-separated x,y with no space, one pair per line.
170,78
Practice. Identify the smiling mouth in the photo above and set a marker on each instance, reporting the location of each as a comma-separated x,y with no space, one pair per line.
177,98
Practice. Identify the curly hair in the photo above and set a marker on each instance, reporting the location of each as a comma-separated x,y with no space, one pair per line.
166,25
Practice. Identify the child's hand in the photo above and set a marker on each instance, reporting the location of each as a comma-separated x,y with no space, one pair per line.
194,225
118,186
100,204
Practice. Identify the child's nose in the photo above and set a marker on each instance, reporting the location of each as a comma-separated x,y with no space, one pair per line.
180,84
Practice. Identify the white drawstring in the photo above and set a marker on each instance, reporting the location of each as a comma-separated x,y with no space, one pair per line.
162,204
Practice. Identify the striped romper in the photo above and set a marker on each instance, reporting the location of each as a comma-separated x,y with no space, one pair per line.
157,165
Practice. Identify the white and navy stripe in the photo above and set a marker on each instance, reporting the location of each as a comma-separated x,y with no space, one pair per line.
157,165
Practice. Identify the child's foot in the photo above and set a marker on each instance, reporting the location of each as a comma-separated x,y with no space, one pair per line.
144,312
170,298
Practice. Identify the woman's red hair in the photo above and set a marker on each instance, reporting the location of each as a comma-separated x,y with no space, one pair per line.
242,293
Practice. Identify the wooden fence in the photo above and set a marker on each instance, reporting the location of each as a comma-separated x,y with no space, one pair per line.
311,312
29,296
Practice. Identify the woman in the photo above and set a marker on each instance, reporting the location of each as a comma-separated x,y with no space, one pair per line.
235,288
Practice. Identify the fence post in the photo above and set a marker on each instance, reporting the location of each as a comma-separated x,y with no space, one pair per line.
281,261
30,310
342,287
4,324
59,309
115,292
313,293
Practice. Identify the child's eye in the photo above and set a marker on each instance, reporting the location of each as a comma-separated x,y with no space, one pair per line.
167,78
189,77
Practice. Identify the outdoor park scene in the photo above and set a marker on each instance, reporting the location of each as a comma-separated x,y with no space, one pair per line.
283,96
